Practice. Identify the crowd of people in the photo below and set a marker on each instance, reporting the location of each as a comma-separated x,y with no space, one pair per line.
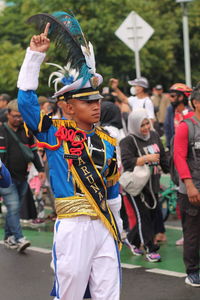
81,141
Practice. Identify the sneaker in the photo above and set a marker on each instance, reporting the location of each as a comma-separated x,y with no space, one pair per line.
10,242
22,244
153,257
180,242
136,251
193,279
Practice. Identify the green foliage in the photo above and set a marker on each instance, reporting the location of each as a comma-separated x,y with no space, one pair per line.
161,59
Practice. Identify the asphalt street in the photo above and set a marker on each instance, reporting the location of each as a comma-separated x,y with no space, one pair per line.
29,276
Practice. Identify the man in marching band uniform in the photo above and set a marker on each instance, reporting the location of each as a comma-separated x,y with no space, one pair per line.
82,164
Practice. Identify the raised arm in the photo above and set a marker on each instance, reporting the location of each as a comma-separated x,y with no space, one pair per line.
114,85
28,79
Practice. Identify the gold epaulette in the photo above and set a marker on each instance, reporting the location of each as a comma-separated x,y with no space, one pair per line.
105,136
66,123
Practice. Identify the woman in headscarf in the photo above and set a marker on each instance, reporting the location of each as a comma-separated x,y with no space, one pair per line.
144,204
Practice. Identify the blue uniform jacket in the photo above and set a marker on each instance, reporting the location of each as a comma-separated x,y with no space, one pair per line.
58,167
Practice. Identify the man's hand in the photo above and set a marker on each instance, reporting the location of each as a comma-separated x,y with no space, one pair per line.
40,43
192,192
114,83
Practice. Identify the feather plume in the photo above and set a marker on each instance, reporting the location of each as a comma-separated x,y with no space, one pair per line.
67,34
66,75
89,57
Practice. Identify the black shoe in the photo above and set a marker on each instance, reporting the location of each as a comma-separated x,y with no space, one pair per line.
193,279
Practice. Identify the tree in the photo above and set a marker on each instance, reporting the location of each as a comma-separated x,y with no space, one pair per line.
161,58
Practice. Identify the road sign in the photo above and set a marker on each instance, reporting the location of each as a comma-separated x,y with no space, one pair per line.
134,31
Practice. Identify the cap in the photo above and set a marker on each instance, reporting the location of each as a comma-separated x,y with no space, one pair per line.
87,92
159,87
13,105
142,81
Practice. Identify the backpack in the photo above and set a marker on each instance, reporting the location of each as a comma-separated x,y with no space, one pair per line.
172,169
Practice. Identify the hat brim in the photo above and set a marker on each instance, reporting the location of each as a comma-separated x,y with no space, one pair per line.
135,82
85,96
89,97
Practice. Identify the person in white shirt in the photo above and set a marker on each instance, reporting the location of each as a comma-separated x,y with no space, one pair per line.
141,98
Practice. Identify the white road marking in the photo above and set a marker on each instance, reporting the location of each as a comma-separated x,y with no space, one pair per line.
166,272
129,266
40,250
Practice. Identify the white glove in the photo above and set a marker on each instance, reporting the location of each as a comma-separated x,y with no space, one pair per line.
115,206
30,69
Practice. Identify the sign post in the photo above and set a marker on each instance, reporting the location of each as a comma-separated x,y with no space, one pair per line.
186,41
134,32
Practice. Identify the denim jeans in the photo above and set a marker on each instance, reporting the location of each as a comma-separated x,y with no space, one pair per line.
12,197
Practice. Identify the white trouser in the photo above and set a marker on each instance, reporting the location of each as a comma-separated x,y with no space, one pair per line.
85,251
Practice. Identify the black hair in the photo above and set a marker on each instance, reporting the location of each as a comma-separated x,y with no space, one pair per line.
195,95
5,97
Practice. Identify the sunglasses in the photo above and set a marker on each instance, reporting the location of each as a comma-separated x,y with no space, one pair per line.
173,95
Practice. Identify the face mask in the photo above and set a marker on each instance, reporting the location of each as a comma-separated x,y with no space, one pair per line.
132,90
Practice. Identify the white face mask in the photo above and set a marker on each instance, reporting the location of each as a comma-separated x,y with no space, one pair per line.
132,90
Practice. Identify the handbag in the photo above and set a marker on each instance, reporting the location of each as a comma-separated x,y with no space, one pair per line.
26,152
134,182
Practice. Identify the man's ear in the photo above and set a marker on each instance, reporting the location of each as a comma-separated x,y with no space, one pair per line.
70,107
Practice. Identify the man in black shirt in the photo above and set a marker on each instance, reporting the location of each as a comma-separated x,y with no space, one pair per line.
12,154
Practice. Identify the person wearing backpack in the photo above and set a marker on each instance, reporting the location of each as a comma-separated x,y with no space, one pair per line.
187,163
178,110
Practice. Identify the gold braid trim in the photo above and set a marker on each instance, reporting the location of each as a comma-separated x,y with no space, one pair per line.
73,206
26,129
42,114
66,123
105,136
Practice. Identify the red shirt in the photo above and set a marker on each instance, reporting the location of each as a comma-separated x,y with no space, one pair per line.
181,150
